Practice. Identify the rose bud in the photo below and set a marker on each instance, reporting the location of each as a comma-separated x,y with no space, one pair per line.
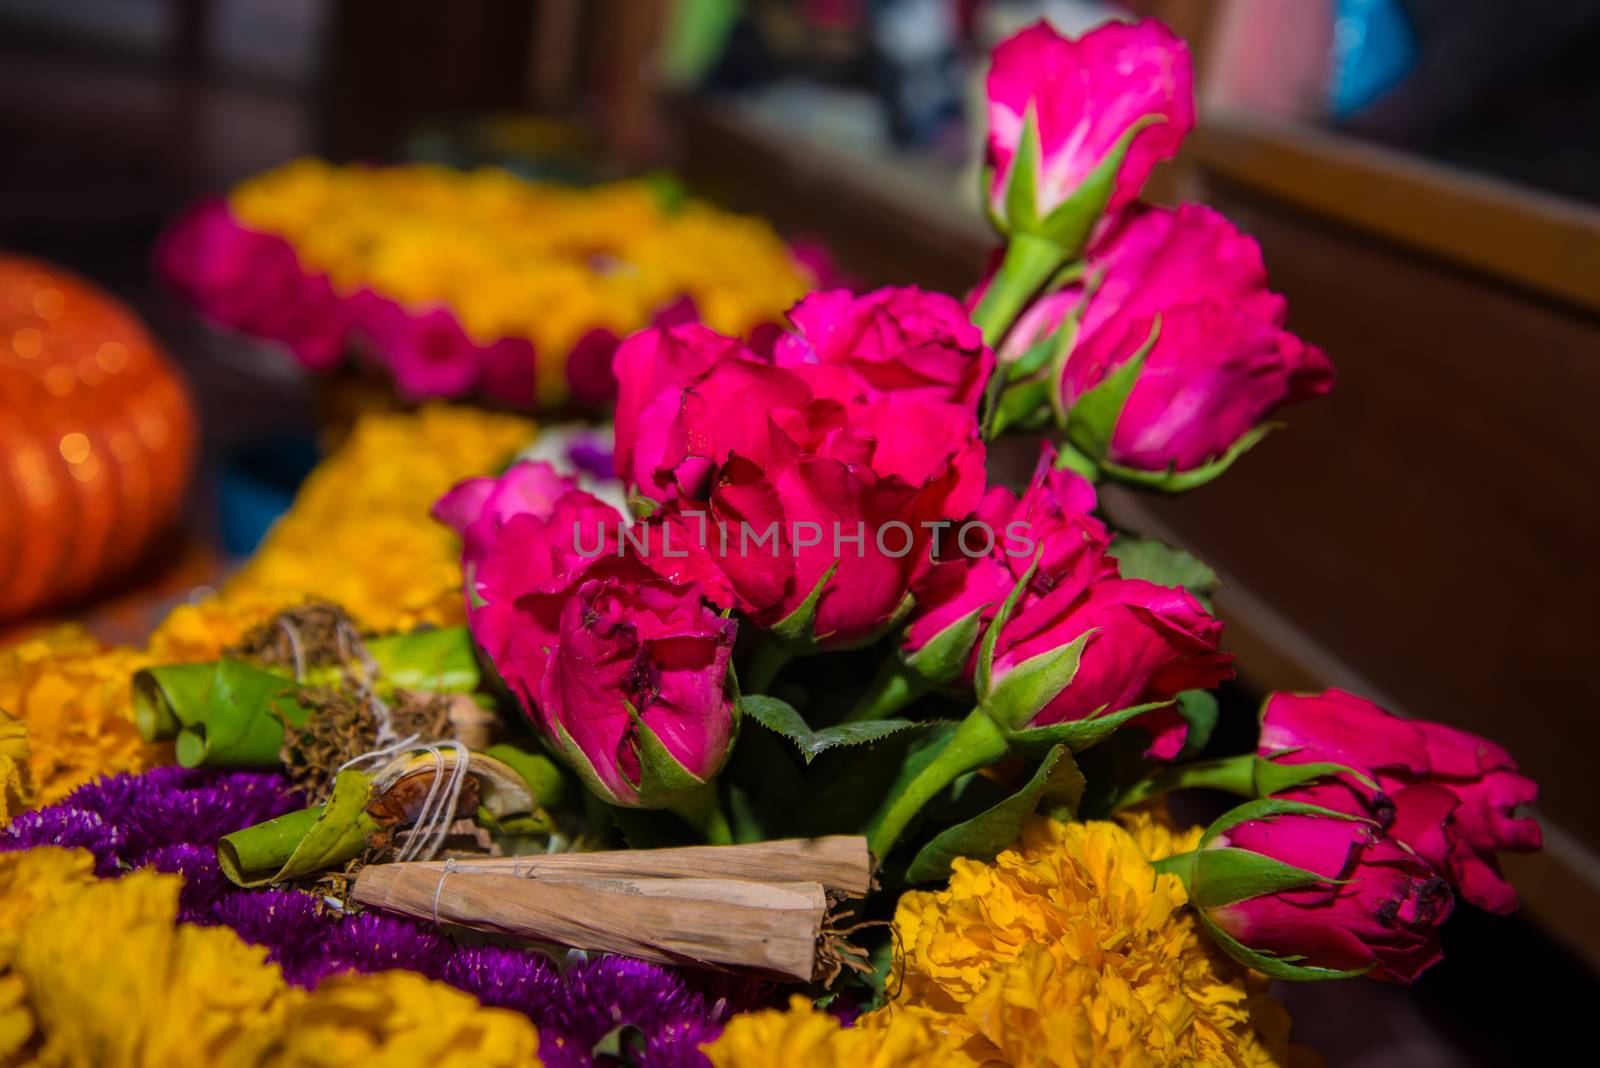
900,340
1076,125
638,696
520,531
1450,796
1164,371
1070,653
1299,892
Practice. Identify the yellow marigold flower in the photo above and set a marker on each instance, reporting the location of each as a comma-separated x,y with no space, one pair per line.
16,777
1156,834
98,974
1069,949
359,534
402,1020
71,692
802,1037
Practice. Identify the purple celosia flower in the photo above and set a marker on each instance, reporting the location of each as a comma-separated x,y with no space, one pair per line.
170,818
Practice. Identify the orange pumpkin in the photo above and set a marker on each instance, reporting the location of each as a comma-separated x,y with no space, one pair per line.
97,438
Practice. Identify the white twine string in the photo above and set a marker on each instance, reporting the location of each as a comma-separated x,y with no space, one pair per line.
295,647
449,869
432,825
380,756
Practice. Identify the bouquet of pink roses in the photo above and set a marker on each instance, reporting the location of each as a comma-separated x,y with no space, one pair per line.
823,613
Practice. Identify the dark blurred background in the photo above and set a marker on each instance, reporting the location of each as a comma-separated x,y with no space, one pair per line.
1424,177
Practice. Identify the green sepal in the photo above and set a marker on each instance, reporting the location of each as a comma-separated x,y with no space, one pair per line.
1072,221
1174,481
1267,808
1272,777
991,637
797,630
1200,712
1092,420
662,780
300,843
1022,186
1269,965
1056,784
1079,734
642,507
1155,561
781,718
1031,685
943,660
1223,875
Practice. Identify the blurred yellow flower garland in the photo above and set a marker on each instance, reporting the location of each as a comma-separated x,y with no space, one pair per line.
359,534
1067,950
520,259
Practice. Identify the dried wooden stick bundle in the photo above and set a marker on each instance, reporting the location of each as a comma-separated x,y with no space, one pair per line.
771,928
840,863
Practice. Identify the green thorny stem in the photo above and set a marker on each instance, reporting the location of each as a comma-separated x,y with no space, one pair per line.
893,687
702,810
1029,262
767,657
978,741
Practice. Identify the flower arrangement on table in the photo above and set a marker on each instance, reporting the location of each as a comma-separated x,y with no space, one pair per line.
457,284
883,746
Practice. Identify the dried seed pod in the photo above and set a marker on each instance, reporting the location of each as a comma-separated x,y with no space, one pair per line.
401,786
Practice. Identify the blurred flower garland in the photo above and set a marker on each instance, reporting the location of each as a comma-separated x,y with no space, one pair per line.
480,282
359,533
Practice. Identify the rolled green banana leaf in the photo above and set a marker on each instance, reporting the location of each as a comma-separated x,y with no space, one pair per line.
311,840
231,714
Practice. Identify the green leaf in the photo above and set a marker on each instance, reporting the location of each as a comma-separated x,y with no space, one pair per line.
797,629
241,725
1223,875
1267,964
168,697
1174,481
1071,222
1056,782
441,659
543,776
1153,560
1031,685
781,717
300,843
943,660
1093,418
1200,711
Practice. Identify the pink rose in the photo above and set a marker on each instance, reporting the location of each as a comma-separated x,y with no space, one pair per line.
1449,795
638,695
831,494
1149,643
254,283
520,532
1087,95
1376,906
902,340
625,673
1220,363
655,370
